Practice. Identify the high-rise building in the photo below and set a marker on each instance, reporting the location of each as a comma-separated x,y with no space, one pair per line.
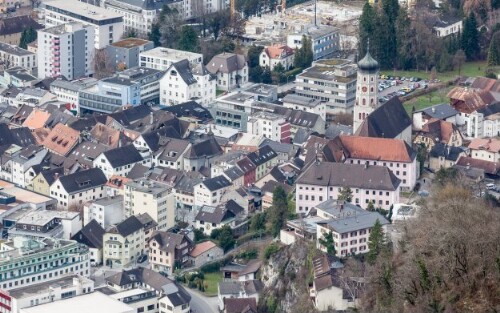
66,50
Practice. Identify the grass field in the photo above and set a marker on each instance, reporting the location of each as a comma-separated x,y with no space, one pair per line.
469,69
212,280
424,101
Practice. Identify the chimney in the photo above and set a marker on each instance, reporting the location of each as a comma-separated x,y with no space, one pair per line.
433,110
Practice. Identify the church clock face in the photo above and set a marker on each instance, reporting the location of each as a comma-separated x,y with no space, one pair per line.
364,89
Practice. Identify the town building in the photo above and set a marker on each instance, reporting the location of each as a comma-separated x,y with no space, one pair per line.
350,226
239,289
168,251
306,104
80,305
108,25
123,243
368,183
444,112
239,305
66,50
325,40
332,81
277,54
197,9
138,17
467,100
162,58
106,211
151,197
394,154
61,288
439,131
124,54
269,125
444,156
12,56
26,257
486,149
230,69
91,235
67,91
205,252
78,188
216,217
140,299
119,161
39,224
201,154
209,191
13,27
447,25
484,122
184,82
42,181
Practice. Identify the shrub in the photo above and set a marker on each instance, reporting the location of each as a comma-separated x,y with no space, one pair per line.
271,250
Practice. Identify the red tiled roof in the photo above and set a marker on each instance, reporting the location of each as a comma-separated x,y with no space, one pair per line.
370,148
62,139
489,144
279,51
201,248
36,119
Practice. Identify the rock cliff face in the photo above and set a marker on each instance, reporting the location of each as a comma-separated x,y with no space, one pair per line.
286,276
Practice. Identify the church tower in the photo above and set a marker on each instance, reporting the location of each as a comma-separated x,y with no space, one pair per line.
366,89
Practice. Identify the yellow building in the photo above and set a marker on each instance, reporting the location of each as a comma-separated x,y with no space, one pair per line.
42,182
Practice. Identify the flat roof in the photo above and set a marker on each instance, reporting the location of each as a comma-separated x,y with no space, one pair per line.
42,217
326,73
96,302
43,287
171,54
23,194
14,50
88,11
261,89
130,43
64,28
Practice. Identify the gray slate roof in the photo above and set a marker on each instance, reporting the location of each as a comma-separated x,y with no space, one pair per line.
88,179
123,156
439,111
216,183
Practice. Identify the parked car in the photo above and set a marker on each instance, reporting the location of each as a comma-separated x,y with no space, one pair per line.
142,258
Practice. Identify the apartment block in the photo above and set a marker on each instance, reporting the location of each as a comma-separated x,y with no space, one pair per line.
13,56
332,81
153,198
61,288
26,262
67,91
269,125
123,243
108,25
325,40
66,50
162,58
124,54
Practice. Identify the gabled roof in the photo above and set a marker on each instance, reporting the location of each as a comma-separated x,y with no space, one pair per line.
190,109
61,139
88,179
468,100
450,153
439,130
209,214
492,168
91,235
226,63
490,109
157,138
369,148
488,144
108,136
16,24
202,248
488,84
349,175
387,121
127,227
261,156
278,51
19,136
440,111
123,156
216,183
233,173
51,175
246,165
86,152
250,287
168,241
206,148
183,69
240,305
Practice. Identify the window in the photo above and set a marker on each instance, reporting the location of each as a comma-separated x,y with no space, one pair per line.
140,310
151,307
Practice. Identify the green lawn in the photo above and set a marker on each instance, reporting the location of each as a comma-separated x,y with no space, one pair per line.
211,281
469,69
436,97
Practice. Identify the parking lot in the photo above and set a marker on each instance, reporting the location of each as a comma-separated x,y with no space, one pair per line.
398,86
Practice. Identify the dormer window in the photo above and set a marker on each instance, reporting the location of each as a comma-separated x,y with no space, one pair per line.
173,73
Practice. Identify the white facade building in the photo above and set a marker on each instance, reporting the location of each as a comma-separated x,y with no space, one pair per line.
108,25
210,191
162,58
106,211
66,50
13,56
183,82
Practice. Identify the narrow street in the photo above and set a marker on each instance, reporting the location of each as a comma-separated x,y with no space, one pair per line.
201,303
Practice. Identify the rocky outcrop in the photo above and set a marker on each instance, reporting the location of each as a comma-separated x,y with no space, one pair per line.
286,277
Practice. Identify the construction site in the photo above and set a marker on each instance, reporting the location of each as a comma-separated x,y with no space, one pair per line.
274,27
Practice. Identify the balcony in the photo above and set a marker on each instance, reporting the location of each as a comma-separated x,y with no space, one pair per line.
55,53
55,58
57,64
55,40
56,48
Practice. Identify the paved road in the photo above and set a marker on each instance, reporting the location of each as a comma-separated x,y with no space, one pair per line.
201,303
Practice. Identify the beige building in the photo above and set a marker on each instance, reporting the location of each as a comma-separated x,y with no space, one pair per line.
124,243
205,252
486,149
12,28
168,251
41,182
156,199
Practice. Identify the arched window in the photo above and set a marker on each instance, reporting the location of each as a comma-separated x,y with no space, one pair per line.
364,101
371,89
359,115
372,78
364,78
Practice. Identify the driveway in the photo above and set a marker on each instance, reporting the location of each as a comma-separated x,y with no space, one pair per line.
201,303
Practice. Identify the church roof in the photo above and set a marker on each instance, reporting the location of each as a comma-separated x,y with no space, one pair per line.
368,63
